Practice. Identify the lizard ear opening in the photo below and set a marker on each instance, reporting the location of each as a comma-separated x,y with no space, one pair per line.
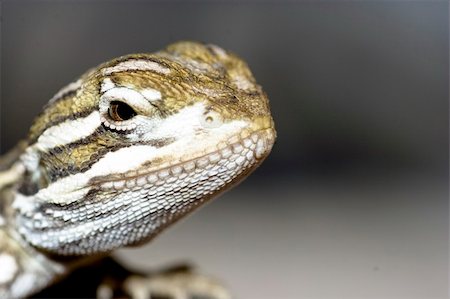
211,120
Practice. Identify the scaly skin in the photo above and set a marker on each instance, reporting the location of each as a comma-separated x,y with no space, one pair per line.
128,149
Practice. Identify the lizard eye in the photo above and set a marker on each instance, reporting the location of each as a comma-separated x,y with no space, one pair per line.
120,111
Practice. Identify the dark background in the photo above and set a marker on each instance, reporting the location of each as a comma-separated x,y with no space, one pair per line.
353,201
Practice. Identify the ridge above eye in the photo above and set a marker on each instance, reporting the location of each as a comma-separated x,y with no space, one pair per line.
120,111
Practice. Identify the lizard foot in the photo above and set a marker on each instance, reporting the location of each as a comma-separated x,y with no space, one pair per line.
177,283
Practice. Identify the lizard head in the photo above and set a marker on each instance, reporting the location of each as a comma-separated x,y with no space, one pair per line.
136,144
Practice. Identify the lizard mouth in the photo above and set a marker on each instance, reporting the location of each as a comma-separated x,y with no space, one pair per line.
238,155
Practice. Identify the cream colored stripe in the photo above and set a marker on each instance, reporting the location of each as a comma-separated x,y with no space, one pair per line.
136,64
68,131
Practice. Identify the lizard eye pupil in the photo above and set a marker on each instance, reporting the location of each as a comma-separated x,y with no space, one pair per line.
119,111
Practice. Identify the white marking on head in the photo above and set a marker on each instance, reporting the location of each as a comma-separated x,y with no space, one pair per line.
66,89
243,83
59,135
188,126
219,51
137,65
9,268
68,132
130,96
107,84
62,191
151,94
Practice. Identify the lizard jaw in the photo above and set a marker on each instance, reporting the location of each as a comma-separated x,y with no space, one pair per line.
243,152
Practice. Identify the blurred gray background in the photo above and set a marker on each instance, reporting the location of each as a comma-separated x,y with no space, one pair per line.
353,201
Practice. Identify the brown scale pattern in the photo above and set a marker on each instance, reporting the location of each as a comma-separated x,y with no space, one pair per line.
180,87
79,156
75,105
197,73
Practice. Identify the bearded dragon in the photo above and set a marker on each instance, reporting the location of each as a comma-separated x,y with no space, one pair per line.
122,153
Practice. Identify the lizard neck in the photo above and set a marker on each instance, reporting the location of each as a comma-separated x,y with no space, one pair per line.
25,269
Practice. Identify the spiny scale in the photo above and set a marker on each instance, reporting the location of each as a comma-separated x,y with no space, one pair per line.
123,152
